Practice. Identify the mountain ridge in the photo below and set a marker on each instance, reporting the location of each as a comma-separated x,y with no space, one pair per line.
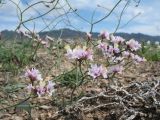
73,34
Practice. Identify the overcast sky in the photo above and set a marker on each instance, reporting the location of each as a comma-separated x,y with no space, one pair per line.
147,20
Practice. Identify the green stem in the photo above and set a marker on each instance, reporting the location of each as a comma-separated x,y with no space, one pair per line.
35,51
71,98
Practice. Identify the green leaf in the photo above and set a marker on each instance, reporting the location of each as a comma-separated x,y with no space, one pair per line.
13,88
24,106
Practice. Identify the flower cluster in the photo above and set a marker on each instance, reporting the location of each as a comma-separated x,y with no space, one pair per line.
42,88
79,53
117,49
117,53
38,86
134,57
108,50
96,71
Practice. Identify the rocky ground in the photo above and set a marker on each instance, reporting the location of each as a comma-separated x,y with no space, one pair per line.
134,98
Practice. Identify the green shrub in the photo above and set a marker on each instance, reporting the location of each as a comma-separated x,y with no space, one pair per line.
14,56
150,52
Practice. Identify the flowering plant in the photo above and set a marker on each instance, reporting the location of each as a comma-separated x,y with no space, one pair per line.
117,53
38,86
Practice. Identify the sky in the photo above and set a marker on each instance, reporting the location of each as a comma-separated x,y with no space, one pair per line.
142,19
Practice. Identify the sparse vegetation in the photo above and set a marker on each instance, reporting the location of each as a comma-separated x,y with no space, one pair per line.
97,76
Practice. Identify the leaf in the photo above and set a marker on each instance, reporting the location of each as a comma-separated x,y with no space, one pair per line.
13,88
24,106
45,107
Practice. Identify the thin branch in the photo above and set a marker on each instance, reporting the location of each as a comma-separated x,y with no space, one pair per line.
119,21
108,13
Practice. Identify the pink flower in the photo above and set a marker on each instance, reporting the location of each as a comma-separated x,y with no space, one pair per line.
33,74
70,54
79,53
40,90
133,45
138,59
102,46
30,87
116,69
104,35
108,50
117,39
96,71
126,54
50,87
83,54
116,50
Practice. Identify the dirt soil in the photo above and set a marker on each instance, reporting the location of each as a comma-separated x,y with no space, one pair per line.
47,109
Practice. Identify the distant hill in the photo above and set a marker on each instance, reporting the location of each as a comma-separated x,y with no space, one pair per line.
72,34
